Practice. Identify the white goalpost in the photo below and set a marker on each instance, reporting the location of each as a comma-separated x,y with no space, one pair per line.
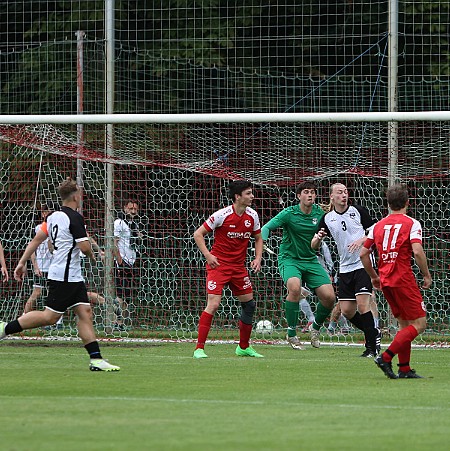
178,167
223,118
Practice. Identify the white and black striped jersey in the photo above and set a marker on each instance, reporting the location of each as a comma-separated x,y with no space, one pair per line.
43,254
65,228
345,228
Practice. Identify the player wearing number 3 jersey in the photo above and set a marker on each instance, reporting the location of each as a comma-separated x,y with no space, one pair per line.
347,225
396,238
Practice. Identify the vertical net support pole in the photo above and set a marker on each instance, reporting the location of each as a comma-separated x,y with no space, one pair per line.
109,195
80,128
393,91
392,106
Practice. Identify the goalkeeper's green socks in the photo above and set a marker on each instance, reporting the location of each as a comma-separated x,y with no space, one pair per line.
322,313
292,309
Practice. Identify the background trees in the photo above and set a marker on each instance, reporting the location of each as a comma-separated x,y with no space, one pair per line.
217,55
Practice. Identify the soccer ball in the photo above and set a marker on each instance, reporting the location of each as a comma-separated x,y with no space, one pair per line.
264,327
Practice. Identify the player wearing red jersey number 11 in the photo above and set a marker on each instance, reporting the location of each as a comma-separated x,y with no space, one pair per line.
396,237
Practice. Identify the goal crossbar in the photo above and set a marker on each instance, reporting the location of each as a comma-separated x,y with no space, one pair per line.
225,118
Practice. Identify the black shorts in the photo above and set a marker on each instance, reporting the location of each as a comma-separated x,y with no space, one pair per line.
353,283
127,279
65,295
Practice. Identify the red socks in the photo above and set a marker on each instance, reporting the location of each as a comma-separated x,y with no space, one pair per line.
401,346
203,329
245,331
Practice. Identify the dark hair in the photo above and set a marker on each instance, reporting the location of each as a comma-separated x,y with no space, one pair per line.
397,196
130,201
237,187
67,188
306,185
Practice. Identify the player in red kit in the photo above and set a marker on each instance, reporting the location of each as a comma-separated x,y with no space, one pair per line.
233,226
397,237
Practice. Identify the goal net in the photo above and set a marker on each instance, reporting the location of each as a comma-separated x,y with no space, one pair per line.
179,172
211,59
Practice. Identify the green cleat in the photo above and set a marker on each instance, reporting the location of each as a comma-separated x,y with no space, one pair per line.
199,353
249,352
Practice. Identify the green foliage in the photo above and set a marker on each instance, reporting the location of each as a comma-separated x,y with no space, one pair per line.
173,44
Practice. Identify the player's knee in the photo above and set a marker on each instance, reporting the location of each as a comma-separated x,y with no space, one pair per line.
247,311
85,313
420,325
295,293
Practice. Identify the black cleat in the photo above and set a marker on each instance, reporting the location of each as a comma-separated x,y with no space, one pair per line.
411,374
386,367
369,354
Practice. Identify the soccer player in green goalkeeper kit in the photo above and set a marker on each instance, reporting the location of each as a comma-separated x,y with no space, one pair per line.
297,261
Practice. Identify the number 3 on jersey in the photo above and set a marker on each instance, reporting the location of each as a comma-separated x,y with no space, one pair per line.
389,242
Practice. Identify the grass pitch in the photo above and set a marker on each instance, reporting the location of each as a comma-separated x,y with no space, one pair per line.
163,399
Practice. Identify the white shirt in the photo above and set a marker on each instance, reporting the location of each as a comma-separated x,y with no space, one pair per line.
345,228
123,232
43,254
66,228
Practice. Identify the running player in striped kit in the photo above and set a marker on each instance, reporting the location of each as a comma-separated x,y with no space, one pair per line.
67,289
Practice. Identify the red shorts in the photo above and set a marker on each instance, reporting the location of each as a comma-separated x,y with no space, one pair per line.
236,278
406,302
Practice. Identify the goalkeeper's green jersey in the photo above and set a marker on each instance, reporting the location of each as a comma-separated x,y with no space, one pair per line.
298,231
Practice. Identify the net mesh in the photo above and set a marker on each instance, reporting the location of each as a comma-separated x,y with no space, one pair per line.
179,175
217,57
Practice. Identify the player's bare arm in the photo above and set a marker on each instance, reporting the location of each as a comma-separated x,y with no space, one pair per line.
21,267
256,263
199,237
4,269
421,260
36,268
317,239
356,245
86,248
367,263
96,247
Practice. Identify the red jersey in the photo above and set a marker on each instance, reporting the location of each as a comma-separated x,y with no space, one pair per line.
393,237
232,234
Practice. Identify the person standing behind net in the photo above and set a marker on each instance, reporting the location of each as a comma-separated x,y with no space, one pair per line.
347,225
126,235
233,226
396,238
298,262
67,289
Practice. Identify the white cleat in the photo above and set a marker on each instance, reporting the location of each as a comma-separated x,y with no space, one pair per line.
102,365
295,343
315,337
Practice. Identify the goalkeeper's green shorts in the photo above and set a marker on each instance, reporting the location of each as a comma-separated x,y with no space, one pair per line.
311,273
